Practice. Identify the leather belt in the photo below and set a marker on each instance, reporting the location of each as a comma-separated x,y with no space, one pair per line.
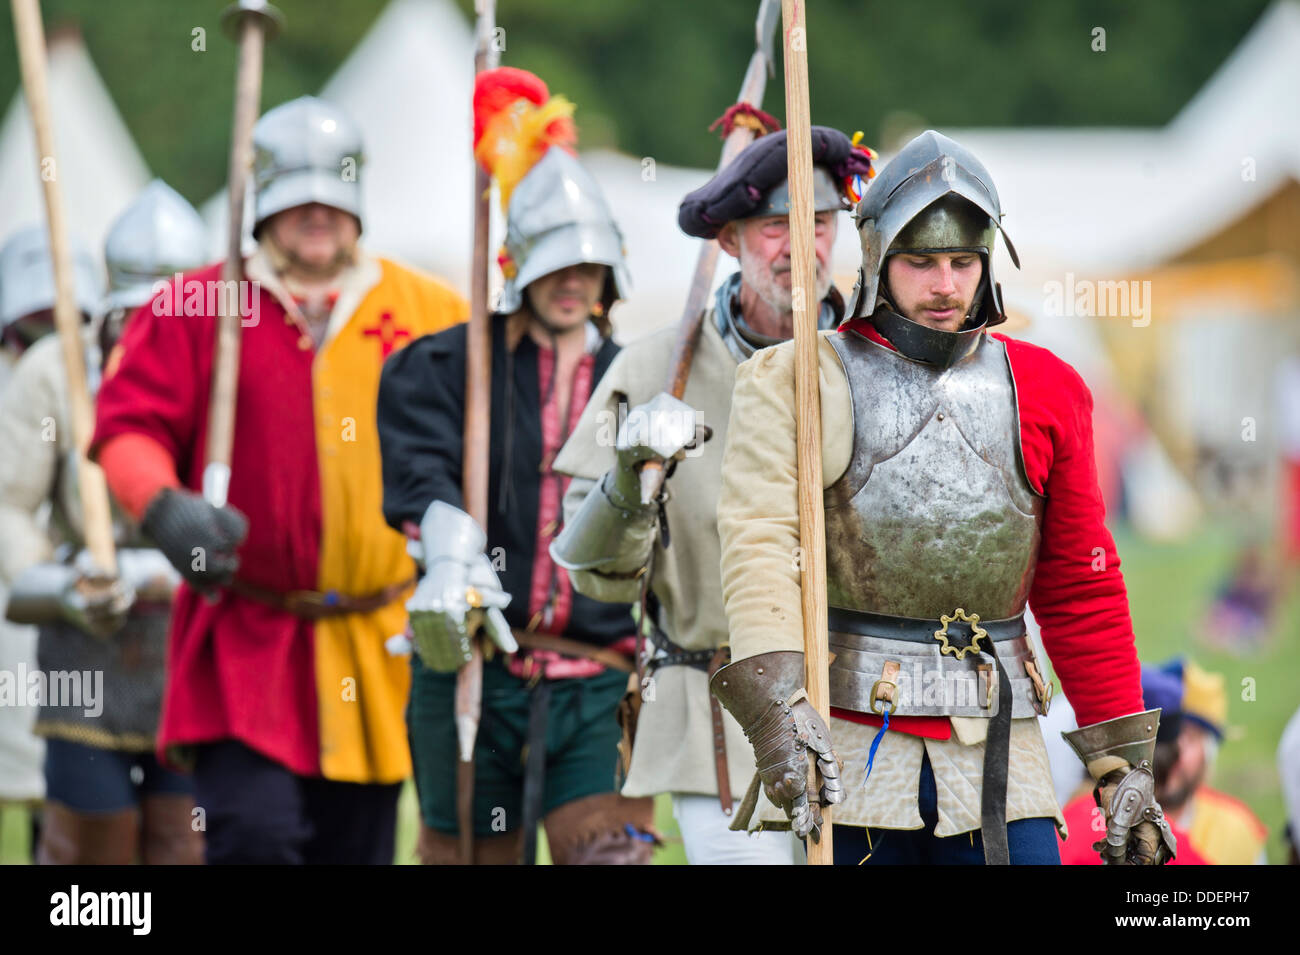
710,661
314,604
532,640
670,654
970,638
915,629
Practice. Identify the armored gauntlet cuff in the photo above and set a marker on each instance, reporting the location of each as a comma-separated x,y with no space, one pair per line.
1119,755
604,535
764,694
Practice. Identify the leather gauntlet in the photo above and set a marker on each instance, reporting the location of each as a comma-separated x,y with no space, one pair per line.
765,695
1119,755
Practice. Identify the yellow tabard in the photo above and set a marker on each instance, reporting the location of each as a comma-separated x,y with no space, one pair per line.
361,689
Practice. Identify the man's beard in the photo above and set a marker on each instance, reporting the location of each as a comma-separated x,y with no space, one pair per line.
282,259
762,278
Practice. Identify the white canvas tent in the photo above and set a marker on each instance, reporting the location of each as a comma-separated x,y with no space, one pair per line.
99,166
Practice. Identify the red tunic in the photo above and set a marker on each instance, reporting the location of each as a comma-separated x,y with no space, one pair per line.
1087,825
237,668
1078,595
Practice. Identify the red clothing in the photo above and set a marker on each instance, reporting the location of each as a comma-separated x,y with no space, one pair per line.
1291,510
237,668
1087,825
1078,595
274,482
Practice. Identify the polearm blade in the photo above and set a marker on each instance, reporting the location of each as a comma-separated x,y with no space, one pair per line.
807,392
476,453
688,330
249,21
97,517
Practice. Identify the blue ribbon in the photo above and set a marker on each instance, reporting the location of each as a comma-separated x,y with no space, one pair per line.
875,745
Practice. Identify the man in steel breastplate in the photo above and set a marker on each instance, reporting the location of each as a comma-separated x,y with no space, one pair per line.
959,486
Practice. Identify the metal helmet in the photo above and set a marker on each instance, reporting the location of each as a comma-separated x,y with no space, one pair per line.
27,275
158,235
934,196
305,151
827,197
558,217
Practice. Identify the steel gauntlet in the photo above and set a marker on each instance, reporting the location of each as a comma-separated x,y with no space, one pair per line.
765,695
1120,756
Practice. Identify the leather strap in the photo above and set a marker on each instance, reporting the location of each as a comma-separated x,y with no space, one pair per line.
669,654
915,629
313,604
720,658
532,640
539,706
710,661
993,790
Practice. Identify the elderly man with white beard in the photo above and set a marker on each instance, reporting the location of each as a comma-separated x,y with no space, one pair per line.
667,553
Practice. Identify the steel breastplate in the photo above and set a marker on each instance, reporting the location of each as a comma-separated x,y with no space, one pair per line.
934,513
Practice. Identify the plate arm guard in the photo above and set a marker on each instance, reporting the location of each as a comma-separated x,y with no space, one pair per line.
1120,756
36,595
605,547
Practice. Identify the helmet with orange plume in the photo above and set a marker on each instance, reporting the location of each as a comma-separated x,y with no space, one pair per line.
556,214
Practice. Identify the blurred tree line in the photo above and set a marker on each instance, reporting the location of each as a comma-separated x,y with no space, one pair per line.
650,75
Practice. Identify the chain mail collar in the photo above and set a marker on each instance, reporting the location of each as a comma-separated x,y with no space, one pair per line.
742,341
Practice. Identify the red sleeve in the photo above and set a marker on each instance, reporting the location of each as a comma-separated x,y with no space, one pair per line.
1078,594
136,468
153,380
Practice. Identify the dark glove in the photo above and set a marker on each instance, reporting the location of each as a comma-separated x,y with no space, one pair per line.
757,691
200,540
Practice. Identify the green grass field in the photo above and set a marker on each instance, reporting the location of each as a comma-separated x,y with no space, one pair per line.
1170,586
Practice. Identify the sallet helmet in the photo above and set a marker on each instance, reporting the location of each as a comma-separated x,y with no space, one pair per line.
157,236
27,275
933,196
306,150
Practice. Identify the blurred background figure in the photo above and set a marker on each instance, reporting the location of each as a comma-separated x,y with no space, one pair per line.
1212,827
1288,410
1288,767
108,799
1221,828
26,316
1084,818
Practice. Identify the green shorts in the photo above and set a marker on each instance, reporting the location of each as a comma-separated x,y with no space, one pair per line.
582,736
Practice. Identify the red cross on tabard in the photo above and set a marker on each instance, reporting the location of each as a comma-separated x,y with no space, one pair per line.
388,334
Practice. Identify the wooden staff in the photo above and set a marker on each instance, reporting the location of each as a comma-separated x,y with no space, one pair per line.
688,329
807,395
97,518
477,444
250,20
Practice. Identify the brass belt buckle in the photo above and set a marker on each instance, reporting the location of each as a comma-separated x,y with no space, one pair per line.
1042,689
313,601
977,632
893,704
